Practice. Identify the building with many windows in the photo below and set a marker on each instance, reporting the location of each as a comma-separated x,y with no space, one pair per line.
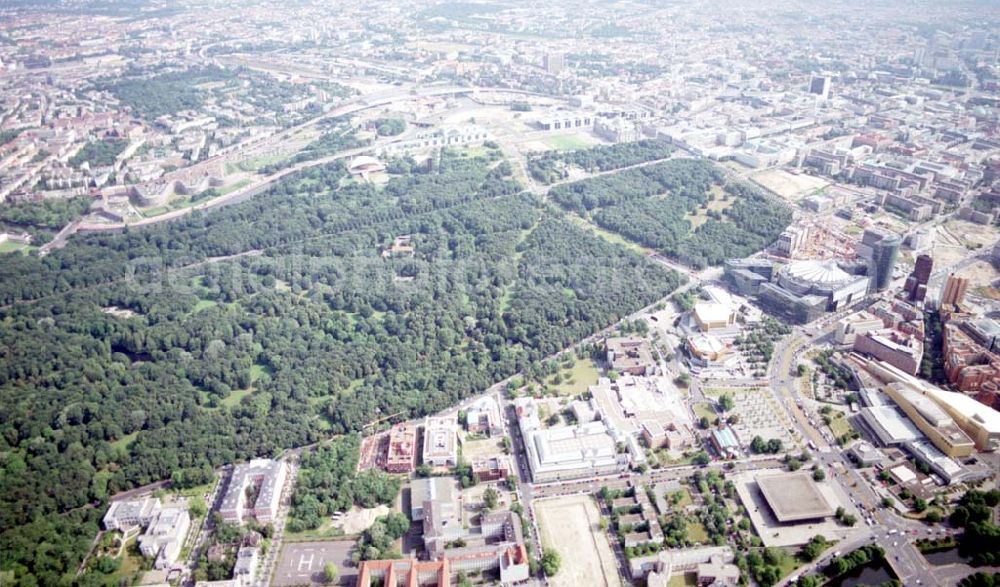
440,442
254,491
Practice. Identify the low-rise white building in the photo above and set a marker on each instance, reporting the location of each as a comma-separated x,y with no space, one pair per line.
165,536
134,512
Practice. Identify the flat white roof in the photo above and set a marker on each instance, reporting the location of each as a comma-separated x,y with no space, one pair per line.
984,416
712,312
890,422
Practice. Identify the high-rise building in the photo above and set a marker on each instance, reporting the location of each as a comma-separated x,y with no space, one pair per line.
953,292
820,85
916,283
554,62
880,248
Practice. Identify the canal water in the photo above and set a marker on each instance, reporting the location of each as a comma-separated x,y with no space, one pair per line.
945,557
871,574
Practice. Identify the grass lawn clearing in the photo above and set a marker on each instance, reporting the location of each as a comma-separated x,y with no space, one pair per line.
570,142
840,426
697,532
577,378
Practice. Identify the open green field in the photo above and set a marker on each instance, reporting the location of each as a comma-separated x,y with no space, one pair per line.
839,426
195,491
700,215
683,580
10,247
124,441
325,530
789,563
611,237
568,142
701,410
232,188
697,532
204,305
236,396
578,378
131,564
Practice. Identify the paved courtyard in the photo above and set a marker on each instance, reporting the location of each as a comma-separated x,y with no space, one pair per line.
760,415
301,563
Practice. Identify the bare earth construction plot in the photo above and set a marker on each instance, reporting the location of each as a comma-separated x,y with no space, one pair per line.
792,187
570,525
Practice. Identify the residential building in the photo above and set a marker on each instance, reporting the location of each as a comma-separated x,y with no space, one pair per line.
970,361
953,292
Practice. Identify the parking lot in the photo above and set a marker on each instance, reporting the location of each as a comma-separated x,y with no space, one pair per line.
301,563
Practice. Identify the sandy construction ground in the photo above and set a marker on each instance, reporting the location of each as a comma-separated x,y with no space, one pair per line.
789,186
570,525
972,234
357,520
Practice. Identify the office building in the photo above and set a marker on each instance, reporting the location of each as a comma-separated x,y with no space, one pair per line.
430,489
165,536
747,275
554,62
899,350
134,512
572,452
916,283
805,290
409,572
879,248
401,453
491,468
820,85
953,292
849,328
629,355
267,478
791,240
483,417
440,442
